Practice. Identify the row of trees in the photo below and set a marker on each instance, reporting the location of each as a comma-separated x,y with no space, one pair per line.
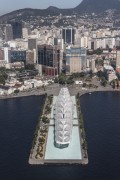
3,75
63,79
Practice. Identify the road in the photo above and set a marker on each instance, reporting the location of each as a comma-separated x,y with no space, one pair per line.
55,89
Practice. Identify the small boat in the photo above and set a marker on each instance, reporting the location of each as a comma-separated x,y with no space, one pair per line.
90,92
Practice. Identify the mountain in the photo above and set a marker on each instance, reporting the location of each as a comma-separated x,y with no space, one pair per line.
86,6
97,6
27,12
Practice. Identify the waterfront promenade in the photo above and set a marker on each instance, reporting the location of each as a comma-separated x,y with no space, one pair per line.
55,88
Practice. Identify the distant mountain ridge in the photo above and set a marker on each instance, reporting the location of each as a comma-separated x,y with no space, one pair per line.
86,6
97,6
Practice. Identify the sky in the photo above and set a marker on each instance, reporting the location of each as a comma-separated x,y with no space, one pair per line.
10,5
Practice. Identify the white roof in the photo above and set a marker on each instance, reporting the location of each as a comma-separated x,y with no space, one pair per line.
63,117
108,67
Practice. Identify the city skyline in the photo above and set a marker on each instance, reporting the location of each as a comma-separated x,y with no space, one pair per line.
16,4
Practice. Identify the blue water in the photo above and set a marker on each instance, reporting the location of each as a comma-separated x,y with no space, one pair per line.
18,118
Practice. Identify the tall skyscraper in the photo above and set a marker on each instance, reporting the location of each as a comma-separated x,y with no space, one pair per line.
75,59
118,60
32,43
1,54
17,30
7,52
49,58
18,56
1,34
26,31
8,32
68,34
27,25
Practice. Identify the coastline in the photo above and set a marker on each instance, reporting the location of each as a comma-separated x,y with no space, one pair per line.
73,91
81,92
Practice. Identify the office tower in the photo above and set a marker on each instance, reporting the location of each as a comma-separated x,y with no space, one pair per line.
68,34
1,34
75,59
32,43
30,57
18,56
1,54
118,59
49,58
7,52
26,30
25,33
27,26
17,30
8,32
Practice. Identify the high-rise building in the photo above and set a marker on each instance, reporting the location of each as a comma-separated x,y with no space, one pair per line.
75,59
27,26
26,30
1,34
7,52
68,34
18,56
32,43
8,32
1,54
118,59
49,58
17,30
25,33
30,57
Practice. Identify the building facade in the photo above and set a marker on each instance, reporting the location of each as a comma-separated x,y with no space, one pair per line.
49,58
32,43
17,30
118,59
68,34
18,56
75,59
8,32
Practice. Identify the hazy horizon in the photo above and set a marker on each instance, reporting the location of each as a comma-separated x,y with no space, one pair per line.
8,6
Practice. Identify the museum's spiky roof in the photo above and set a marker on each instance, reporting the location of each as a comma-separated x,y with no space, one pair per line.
63,117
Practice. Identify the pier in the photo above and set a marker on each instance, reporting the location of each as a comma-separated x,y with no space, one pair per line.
46,152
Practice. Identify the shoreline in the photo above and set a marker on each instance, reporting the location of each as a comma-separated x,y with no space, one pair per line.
49,92
81,92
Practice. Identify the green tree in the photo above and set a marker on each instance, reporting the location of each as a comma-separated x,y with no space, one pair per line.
2,80
103,81
84,85
2,69
70,80
30,66
16,91
98,51
56,80
100,74
62,79
99,62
